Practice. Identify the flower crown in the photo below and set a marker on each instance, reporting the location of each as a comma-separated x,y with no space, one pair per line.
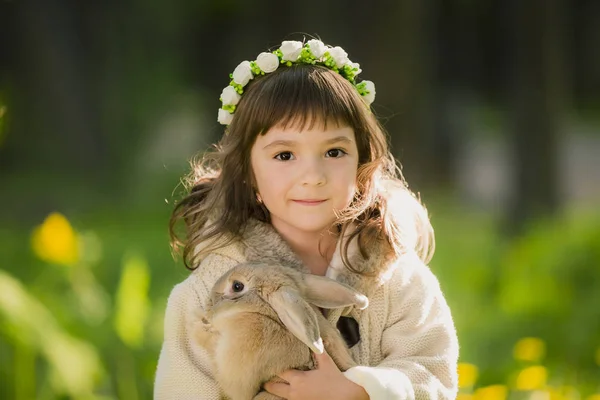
291,52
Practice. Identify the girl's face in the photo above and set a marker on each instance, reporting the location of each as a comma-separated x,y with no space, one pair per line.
303,177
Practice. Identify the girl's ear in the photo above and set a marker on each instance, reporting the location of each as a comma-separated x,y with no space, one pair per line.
327,293
298,317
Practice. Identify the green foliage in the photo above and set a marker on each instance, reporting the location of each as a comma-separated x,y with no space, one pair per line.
132,301
543,284
550,287
84,330
73,364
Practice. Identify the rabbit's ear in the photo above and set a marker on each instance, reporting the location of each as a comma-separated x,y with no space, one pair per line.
327,293
298,317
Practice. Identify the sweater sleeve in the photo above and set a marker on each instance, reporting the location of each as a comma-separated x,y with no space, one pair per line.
419,343
184,371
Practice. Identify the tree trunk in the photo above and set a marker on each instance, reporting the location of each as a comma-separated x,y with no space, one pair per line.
537,100
402,67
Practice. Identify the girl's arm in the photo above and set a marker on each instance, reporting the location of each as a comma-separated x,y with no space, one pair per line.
184,367
419,342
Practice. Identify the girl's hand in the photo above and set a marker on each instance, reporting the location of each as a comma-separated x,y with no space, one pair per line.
325,382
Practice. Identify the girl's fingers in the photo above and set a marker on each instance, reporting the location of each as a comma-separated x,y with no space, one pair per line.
290,375
323,360
278,389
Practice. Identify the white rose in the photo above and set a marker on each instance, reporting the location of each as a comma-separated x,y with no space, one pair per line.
242,73
267,62
229,96
317,48
225,117
339,56
370,87
290,49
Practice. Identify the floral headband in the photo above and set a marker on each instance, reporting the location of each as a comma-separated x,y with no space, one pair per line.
291,52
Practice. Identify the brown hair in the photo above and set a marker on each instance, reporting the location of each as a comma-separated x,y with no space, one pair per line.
222,198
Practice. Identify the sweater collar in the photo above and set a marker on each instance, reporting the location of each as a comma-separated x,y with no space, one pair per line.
261,242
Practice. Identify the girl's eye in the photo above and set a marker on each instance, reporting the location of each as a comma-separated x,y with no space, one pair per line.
335,153
284,156
237,286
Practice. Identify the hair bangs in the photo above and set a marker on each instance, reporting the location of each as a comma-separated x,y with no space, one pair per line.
302,96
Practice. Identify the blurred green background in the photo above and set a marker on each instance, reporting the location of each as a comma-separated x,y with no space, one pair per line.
492,107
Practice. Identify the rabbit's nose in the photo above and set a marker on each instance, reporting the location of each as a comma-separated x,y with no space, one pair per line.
227,293
231,295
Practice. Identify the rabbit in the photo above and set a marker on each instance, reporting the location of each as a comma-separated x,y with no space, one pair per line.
258,322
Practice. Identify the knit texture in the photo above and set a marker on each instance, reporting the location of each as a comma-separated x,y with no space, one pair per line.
408,347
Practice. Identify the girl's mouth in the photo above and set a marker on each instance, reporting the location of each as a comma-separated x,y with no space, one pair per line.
309,202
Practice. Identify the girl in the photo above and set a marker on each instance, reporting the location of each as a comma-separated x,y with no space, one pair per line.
303,175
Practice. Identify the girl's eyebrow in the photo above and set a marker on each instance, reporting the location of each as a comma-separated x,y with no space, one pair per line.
290,143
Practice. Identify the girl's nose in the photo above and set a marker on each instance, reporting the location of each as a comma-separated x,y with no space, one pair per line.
314,174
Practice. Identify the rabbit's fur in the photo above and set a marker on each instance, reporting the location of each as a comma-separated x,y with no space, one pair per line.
262,319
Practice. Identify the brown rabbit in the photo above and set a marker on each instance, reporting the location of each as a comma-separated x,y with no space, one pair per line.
259,323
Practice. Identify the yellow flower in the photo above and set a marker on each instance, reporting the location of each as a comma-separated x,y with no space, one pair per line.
595,396
570,392
532,378
464,396
493,392
552,393
558,393
529,349
467,375
555,394
55,241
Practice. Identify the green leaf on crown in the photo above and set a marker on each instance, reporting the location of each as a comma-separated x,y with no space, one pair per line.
238,88
256,69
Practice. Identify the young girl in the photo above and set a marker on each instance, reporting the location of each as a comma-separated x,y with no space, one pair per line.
303,175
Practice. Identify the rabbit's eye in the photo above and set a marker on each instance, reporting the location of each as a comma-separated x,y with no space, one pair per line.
237,286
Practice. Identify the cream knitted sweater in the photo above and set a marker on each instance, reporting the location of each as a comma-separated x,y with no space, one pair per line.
408,347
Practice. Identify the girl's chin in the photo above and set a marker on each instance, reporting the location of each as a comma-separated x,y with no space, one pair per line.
305,225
